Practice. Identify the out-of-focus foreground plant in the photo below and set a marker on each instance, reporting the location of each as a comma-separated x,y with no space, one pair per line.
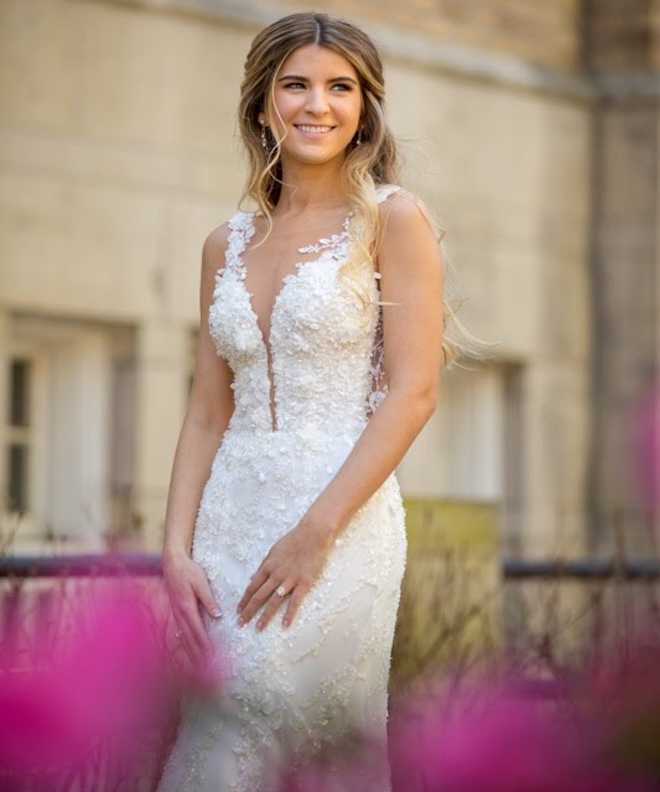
89,681
506,735
92,704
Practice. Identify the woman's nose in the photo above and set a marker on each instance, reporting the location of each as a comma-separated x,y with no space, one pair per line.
317,102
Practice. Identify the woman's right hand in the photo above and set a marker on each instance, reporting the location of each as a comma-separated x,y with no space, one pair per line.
189,591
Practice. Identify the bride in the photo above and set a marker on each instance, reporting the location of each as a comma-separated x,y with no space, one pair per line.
318,361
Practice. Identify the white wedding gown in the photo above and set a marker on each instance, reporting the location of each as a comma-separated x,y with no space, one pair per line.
294,690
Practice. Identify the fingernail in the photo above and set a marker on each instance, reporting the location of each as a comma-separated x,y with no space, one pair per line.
286,622
260,626
241,622
216,613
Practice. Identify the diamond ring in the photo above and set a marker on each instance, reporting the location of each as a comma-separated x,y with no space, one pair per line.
280,591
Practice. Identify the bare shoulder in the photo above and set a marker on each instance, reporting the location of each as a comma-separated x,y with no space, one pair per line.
408,233
405,212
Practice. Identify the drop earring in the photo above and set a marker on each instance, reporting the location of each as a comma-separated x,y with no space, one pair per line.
264,142
358,138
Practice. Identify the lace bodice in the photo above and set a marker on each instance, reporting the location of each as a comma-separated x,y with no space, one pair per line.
321,367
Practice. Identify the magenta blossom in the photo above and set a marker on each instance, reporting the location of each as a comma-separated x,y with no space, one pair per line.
97,691
495,740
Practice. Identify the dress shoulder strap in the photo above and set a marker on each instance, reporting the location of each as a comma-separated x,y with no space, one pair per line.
241,230
383,191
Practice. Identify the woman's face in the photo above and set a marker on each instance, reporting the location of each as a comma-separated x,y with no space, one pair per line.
316,106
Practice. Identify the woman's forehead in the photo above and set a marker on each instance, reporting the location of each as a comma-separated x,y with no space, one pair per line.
313,58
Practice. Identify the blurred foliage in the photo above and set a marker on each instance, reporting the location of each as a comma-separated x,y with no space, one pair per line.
449,611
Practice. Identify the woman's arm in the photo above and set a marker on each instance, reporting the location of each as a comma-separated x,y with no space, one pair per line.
209,409
411,268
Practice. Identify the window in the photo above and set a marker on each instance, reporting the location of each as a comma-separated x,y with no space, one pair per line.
19,435
60,380
458,454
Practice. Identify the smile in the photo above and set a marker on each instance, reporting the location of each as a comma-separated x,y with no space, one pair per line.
310,129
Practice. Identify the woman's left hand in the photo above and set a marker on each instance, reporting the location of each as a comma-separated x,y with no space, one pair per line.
288,571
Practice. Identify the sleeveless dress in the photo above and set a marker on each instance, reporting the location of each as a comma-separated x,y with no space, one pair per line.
302,398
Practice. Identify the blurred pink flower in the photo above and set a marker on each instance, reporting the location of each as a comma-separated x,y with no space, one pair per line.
115,670
104,687
37,740
495,741
624,696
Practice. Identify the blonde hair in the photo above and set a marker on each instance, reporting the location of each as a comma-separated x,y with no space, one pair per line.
371,163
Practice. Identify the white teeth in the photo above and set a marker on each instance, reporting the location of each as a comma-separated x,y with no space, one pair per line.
307,128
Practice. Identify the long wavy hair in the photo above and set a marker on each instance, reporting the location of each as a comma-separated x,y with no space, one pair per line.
367,165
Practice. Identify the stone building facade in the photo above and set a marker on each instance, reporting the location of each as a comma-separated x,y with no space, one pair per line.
529,128
622,58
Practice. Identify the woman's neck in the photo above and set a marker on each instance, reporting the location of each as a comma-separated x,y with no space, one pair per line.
316,187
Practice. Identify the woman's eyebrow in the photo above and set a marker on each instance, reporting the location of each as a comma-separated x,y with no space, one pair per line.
292,77
300,78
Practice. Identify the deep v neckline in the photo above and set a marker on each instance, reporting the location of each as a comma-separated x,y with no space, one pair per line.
320,246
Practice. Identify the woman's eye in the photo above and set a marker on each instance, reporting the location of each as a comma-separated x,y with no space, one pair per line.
339,87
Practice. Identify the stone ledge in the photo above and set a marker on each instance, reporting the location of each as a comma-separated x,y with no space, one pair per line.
630,85
463,61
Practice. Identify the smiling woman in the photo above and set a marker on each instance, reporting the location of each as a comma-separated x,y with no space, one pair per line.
317,101
317,368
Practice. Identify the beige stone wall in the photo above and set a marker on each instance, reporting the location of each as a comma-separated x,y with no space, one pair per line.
622,50
507,174
118,154
545,33
627,313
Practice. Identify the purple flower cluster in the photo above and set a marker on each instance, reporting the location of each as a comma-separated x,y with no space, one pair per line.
89,705
602,735
96,703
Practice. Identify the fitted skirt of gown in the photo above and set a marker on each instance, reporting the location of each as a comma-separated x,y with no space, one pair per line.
290,691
